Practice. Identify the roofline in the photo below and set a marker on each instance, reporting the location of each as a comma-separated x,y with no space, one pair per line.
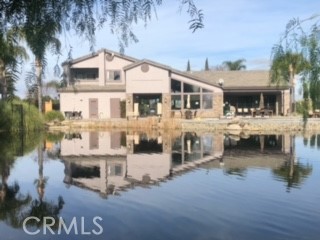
170,69
94,54
255,88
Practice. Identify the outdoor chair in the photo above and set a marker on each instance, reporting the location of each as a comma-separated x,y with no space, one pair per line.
239,111
245,111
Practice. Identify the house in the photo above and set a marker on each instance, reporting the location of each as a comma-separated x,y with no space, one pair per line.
100,84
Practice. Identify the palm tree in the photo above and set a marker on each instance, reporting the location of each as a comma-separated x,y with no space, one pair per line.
41,30
285,65
235,65
11,55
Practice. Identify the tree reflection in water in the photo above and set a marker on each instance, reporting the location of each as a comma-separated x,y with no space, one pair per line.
14,206
293,172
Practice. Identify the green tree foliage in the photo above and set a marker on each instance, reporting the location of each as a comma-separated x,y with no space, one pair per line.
235,65
297,53
11,55
86,16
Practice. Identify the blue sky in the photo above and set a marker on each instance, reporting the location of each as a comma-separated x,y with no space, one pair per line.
233,29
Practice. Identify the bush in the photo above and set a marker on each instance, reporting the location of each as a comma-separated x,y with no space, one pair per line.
53,116
18,115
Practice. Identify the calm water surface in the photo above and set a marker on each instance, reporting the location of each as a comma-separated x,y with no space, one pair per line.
151,186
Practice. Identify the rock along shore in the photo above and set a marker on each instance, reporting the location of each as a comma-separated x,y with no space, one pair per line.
235,125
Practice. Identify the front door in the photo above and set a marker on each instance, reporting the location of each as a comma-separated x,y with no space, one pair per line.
93,108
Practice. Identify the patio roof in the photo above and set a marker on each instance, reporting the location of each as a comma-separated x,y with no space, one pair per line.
239,79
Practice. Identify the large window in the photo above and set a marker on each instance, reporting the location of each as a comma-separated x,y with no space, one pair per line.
176,102
189,96
191,101
113,75
188,88
85,74
175,86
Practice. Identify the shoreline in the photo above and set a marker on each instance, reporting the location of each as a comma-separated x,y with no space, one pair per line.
234,125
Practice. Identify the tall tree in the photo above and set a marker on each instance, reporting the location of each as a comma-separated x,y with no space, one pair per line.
11,55
206,65
299,50
285,65
235,65
188,66
311,75
41,32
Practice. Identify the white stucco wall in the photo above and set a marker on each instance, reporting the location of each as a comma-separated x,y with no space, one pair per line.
116,64
92,62
156,80
100,62
80,102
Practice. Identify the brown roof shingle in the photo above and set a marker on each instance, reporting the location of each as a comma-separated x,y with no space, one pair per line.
241,79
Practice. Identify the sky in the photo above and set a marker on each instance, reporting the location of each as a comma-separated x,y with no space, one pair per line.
233,29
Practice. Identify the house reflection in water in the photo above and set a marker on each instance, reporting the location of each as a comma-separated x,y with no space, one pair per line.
108,162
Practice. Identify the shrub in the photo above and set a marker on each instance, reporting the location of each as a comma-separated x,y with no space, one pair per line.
18,115
53,116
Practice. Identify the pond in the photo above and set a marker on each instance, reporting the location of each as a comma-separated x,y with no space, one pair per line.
134,185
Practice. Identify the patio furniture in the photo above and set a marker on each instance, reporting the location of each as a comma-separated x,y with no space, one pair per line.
68,114
245,111
239,111
134,115
77,115
232,111
188,114
253,112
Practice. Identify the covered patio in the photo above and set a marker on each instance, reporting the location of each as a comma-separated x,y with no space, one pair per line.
255,102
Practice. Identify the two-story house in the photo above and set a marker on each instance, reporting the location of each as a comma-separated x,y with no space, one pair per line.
97,84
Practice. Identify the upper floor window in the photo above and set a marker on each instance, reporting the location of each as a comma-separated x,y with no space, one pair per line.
113,75
85,74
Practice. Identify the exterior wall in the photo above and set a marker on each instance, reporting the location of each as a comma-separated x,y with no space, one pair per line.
93,62
156,80
80,102
116,64
100,62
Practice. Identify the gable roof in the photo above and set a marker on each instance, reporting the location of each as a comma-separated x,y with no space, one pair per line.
239,79
172,70
94,54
